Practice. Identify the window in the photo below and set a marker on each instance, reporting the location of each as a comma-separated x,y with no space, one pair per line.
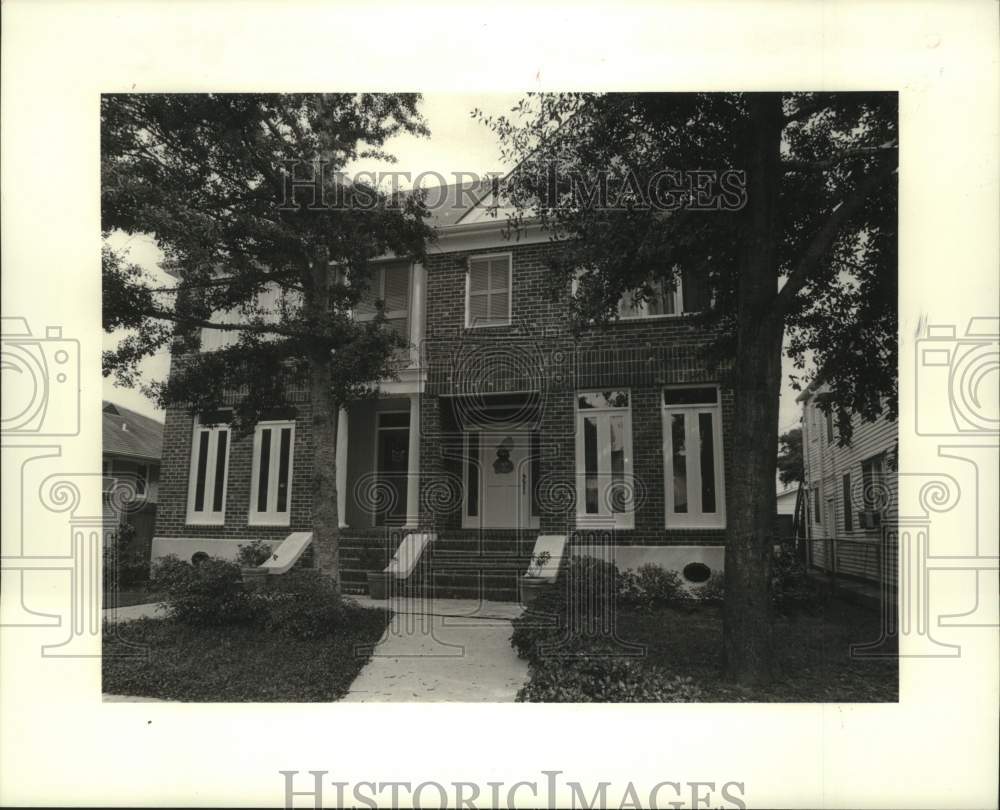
390,284
661,301
213,339
692,452
269,304
873,482
829,427
271,476
488,291
848,514
209,474
141,478
604,460
816,512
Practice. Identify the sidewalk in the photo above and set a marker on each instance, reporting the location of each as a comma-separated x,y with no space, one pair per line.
442,650
127,614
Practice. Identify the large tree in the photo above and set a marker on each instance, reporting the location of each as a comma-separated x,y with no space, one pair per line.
806,258
223,183
791,463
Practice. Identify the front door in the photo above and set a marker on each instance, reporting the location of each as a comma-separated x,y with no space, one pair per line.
392,452
504,481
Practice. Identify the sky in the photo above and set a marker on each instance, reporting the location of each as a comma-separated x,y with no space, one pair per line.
457,143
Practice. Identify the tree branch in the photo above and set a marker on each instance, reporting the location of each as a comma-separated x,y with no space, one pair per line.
826,235
257,329
808,108
795,165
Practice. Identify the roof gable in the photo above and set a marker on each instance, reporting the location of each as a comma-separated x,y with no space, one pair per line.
128,433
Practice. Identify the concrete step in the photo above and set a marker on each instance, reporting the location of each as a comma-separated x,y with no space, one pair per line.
444,590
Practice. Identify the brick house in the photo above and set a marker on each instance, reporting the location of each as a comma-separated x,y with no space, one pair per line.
851,494
503,427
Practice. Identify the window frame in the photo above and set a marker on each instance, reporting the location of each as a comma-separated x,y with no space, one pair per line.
271,516
489,324
867,476
692,519
378,271
273,296
624,520
845,482
678,301
142,474
207,517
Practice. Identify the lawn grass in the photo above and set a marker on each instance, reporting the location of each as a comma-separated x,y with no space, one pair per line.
812,661
240,663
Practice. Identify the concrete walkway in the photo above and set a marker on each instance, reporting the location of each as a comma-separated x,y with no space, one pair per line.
442,650
434,650
127,614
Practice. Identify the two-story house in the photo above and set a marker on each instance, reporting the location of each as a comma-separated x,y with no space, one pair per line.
851,493
503,426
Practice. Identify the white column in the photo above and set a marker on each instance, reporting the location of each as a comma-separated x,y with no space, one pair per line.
342,467
417,311
413,466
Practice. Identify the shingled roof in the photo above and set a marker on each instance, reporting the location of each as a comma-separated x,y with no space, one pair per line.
127,433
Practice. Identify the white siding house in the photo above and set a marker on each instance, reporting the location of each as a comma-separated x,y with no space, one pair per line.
852,493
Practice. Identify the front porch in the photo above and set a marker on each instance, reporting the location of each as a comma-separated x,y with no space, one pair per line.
432,463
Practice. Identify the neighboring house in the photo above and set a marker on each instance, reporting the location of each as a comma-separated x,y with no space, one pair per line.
851,493
503,426
785,500
130,454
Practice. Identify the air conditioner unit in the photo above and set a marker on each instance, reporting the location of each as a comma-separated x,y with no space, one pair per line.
870,520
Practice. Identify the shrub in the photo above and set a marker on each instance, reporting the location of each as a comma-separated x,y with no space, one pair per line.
792,589
605,679
712,591
211,593
125,563
652,586
303,605
250,555
585,595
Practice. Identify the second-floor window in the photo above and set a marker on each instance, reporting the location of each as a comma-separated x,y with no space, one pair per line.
664,299
684,292
268,306
389,283
488,291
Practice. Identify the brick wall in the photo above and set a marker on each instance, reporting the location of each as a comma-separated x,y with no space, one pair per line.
171,518
539,352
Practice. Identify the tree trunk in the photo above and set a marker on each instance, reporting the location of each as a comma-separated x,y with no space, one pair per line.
747,632
325,409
